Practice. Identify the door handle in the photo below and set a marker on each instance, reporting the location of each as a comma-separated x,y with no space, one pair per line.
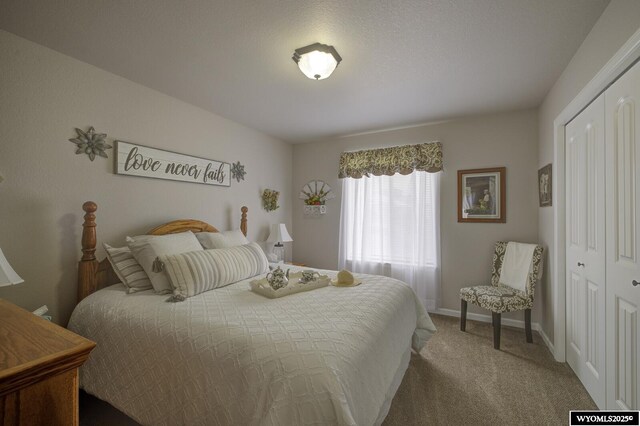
580,264
635,283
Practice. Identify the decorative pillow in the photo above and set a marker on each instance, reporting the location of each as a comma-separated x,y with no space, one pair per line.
212,240
127,268
146,250
218,240
236,237
199,271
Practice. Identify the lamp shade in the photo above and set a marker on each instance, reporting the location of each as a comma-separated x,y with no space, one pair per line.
317,61
279,234
7,275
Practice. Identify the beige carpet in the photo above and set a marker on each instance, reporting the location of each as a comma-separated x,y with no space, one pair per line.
459,379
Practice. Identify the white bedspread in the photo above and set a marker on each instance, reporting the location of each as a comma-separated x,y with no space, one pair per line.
232,357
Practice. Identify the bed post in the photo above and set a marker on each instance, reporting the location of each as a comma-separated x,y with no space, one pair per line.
243,220
88,265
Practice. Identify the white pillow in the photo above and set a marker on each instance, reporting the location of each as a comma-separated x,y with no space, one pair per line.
236,237
199,271
127,268
212,240
218,240
147,248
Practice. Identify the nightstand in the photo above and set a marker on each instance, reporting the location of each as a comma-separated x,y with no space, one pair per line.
39,364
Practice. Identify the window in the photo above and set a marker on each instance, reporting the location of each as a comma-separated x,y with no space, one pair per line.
389,225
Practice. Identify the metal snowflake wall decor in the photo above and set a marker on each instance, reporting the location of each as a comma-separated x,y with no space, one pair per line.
237,171
91,143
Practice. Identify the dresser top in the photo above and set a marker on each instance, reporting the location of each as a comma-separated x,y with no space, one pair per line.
32,348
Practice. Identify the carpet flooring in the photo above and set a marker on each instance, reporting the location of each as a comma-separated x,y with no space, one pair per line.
459,379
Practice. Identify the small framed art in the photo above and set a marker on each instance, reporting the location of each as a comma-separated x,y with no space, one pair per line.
544,186
482,195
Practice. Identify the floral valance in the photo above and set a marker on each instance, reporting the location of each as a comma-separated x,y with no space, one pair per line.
389,161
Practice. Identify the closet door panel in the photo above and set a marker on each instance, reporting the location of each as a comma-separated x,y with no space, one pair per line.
623,236
586,248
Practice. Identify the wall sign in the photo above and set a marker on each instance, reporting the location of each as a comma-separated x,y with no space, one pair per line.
139,160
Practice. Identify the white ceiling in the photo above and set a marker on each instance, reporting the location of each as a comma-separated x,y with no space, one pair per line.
404,61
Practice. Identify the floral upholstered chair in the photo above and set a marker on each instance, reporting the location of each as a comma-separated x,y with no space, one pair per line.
523,270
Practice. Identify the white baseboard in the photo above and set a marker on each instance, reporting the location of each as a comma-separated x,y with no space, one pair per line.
504,321
547,341
486,318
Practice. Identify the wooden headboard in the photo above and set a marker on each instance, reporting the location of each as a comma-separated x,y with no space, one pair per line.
94,275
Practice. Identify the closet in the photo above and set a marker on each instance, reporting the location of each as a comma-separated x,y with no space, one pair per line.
602,155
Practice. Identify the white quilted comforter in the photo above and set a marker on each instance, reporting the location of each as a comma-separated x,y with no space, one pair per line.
232,357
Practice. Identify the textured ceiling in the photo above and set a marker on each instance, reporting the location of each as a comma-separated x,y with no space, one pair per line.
404,61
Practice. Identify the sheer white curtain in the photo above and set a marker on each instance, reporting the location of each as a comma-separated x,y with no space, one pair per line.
390,225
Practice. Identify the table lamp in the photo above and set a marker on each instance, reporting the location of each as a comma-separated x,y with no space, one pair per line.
7,275
279,235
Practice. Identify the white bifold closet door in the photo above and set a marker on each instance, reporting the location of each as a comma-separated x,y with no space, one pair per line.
623,237
586,248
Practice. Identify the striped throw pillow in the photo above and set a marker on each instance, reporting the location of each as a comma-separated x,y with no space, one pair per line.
199,271
127,268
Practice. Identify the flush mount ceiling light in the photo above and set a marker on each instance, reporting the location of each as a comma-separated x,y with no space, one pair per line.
317,61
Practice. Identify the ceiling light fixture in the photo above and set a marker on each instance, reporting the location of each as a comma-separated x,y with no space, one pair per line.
317,61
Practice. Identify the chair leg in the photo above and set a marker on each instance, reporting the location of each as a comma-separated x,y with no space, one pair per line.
527,325
496,330
463,315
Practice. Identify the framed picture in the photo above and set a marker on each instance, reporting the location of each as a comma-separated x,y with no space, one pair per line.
482,195
544,186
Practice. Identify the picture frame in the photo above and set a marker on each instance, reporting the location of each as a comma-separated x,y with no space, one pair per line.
482,195
545,186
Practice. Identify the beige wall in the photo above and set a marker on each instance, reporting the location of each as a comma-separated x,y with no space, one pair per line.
43,96
618,22
508,139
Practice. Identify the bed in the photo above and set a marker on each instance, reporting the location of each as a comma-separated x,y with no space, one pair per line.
230,356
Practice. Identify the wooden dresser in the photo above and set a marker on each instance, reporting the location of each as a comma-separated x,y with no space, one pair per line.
38,369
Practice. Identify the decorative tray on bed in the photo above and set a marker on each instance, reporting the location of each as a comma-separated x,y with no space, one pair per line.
294,286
